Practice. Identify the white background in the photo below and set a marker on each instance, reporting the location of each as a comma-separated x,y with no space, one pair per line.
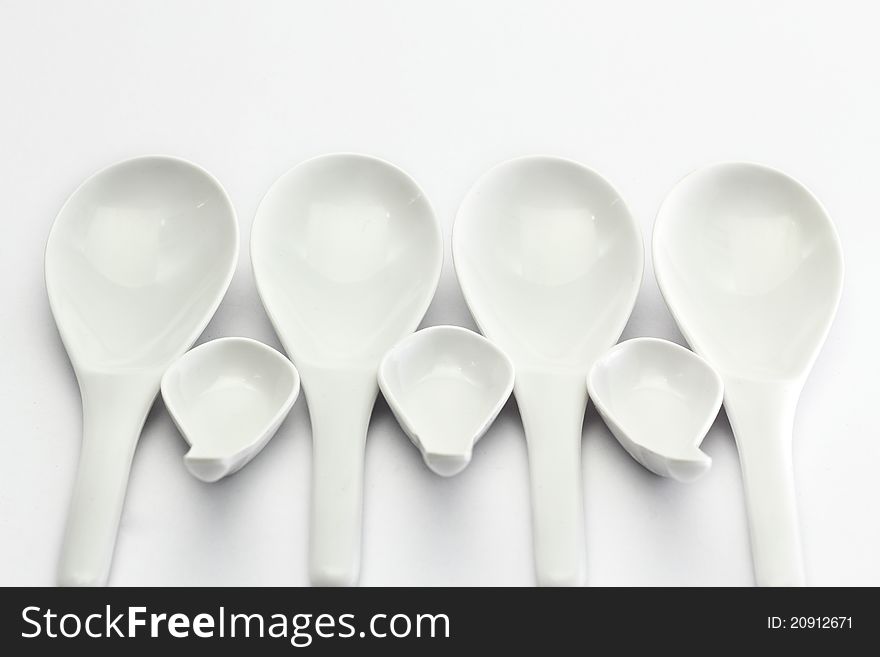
643,92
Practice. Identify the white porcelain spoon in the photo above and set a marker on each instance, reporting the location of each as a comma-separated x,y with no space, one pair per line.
752,270
446,385
347,255
550,262
659,400
137,262
228,397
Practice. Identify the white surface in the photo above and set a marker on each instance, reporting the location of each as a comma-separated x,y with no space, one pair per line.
642,92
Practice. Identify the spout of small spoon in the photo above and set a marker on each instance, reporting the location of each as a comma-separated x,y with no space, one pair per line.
689,466
447,464
206,466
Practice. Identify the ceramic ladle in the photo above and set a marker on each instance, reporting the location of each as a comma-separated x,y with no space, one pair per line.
137,261
347,255
550,262
752,269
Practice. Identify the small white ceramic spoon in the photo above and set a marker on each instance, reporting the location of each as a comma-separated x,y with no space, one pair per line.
347,254
446,385
550,262
752,269
137,262
227,398
659,400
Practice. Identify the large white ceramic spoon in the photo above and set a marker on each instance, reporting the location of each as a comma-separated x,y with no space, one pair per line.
347,255
752,269
550,262
136,264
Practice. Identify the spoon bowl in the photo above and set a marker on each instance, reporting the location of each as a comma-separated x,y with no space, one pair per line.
445,385
751,267
347,254
659,400
137,261
228,397
550,262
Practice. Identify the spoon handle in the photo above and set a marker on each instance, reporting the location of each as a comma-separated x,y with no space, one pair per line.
762,418
114,410
340,405
552,408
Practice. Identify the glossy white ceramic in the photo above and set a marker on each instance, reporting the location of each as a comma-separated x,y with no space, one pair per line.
550,262
347,255
137,262
659,400
228,397
752,269
446,385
